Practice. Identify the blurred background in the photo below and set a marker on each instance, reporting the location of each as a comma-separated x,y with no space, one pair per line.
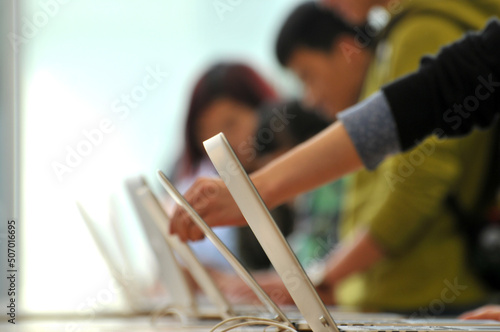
93,92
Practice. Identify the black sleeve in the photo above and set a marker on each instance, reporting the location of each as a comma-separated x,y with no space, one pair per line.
452,92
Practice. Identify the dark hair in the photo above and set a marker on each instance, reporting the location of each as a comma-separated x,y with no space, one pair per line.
304,124
310,25
236,81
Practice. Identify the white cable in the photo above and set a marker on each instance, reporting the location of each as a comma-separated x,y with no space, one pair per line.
251,321
169,309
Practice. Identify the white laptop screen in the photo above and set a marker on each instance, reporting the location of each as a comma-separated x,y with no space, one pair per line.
270,237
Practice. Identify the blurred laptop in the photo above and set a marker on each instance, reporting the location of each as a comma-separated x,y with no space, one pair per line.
348,321
119,265
316,315
167,248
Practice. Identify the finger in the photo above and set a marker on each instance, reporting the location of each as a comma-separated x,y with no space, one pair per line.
202,196
476,312
194,191
194,232
184,227
243,294
468,315
176,220
188,229
200,203
199,235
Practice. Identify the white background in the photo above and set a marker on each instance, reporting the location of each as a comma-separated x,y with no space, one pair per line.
73,66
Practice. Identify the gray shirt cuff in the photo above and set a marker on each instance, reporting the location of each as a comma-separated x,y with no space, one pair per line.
372,129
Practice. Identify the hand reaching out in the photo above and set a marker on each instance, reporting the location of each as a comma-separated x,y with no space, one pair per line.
213,202
236,289
485,312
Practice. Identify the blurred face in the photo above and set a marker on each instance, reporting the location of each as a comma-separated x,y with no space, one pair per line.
332,81
236,120
355,11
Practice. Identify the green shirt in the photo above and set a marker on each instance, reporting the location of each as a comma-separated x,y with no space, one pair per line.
401,202
317,222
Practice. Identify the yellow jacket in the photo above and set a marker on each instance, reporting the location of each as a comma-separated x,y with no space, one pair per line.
401,203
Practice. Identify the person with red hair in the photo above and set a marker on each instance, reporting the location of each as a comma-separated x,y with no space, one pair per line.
226,98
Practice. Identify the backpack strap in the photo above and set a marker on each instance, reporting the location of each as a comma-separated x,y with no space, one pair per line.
396,20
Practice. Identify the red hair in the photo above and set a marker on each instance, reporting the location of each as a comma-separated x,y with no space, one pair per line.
235,81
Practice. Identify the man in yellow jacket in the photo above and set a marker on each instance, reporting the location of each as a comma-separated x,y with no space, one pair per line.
413,253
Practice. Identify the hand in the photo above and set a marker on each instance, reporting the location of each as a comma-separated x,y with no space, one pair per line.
485,312
239,292
327,294
269,282
213,202
272,284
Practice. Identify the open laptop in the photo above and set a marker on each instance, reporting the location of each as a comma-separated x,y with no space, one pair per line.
316,315
155,223
347,320
242,272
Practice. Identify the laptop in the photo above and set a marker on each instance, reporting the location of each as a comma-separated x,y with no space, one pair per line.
316,315
155,223
117,264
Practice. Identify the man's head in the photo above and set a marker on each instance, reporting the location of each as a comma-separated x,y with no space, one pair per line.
319,47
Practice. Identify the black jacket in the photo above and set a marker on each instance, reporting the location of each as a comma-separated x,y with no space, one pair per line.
452,92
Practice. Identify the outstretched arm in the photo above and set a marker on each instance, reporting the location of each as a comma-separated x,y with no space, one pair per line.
324,158
405,112
451,93
485,312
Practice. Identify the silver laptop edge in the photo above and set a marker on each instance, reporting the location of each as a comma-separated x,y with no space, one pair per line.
268,234
235,263
270,237
197,270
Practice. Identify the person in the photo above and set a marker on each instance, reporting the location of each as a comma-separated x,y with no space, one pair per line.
449,95
311,44
398,217
321,145
311,234
272,139
376,199
357,12
225,98
388,116
441,84
316,213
